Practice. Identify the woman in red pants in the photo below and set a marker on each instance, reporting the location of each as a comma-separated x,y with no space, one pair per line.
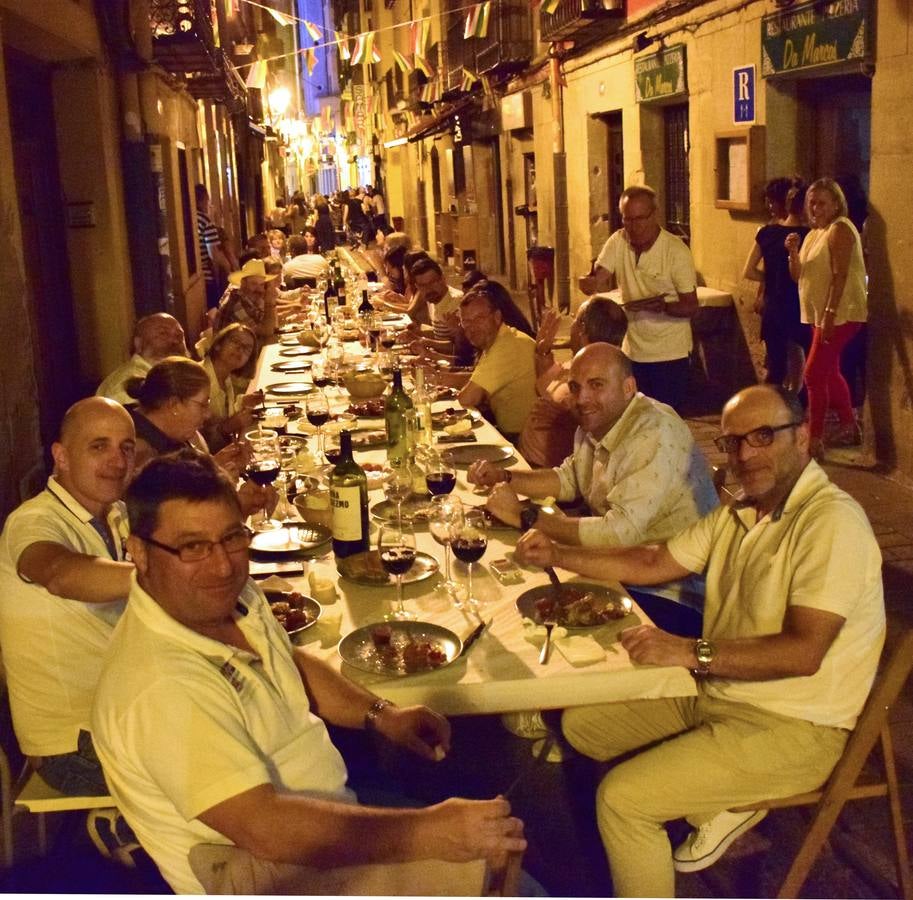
830,272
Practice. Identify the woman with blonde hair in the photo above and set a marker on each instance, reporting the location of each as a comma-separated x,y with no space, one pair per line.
830,272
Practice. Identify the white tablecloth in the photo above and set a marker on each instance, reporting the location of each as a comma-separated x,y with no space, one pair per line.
500,672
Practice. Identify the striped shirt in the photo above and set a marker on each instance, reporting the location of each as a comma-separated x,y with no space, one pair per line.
208,237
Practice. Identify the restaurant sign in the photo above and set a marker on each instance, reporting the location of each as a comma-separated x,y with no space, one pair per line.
661,75
815,34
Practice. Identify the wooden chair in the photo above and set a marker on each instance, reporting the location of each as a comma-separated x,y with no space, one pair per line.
843,785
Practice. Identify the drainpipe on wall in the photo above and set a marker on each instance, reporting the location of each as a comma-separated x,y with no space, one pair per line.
559,168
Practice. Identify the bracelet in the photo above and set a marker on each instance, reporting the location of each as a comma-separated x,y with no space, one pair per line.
374,710
831,310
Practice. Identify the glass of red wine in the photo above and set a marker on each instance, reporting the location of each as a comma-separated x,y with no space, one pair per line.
317,410
439,476
263,469
469,543
331,449
396,546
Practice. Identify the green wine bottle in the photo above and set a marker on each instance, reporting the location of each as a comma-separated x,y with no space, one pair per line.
395,408
349,502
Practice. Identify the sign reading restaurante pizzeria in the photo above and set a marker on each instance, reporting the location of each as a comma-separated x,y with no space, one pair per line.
815,34
661,75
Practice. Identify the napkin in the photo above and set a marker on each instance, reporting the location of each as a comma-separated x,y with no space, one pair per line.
579,649
461,426
275,583
322,584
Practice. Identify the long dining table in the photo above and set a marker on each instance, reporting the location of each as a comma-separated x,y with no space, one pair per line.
500,672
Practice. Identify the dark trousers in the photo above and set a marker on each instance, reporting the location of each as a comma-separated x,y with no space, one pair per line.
75,774
664,381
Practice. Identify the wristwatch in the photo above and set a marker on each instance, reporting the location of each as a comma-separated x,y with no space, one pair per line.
529,513
704,651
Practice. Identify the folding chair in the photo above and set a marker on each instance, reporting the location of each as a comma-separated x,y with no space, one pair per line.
843,785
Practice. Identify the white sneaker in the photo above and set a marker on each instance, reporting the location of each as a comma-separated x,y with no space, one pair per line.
525,724
705,845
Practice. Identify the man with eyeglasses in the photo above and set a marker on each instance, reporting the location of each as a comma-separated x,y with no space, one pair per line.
793,629
63,584
655,272
210,726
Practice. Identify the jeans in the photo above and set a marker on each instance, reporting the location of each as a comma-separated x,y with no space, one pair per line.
76,774
824,381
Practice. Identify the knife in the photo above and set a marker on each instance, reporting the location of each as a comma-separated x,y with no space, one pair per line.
474,635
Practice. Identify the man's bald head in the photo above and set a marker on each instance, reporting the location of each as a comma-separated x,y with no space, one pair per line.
604,356
84,412
768,397
602,386
157,336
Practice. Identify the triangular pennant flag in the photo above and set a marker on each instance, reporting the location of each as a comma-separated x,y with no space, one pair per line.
469,79
419,37
375,56
477,20
280,17
421,65
486,87
256,77
343,44
310,59
404,65
549,6
364,48
315,33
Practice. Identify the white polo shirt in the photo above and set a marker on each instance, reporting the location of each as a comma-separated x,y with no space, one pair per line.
667,268
183,722
438,312
52,647
646,480
113,386
817,550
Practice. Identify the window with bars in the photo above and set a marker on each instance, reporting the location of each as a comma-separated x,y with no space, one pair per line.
678,193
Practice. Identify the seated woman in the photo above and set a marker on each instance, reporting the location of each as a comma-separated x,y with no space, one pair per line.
277,244
226,355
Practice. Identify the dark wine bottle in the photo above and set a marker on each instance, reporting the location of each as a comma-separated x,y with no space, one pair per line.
349,502
364,308
395,407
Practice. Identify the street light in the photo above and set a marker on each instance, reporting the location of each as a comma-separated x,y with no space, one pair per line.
279,100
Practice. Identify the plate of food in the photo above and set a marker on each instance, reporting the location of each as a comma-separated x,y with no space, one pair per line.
366,568
453,414
294,611
368,409
291,365
289,388
375,475
299,350
400,648
574,605
290,338
416,509
293,537
444,393
464,456
365,440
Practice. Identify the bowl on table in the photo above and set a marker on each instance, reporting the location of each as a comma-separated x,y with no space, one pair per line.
365,385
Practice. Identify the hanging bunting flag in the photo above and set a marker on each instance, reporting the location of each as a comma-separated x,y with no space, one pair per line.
469,79
421,65
477,20
375,56
364,48
404,65
486,87
256,77
310,59
315,33
431,92
419,37
280,17
327,118
549,6
343,44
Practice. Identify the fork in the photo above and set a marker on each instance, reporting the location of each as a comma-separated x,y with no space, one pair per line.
546,646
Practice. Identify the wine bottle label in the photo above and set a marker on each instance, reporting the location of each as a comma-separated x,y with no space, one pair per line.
346,504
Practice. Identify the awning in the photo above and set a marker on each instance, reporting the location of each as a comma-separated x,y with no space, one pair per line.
439,122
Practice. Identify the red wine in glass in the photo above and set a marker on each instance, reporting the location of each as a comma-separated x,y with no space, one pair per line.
387,341
263,471
440,482
397,560
332,454
469,550
318,417
374,337
322,381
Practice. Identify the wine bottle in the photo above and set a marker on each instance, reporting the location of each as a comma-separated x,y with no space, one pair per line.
395,407
349,502
421,400
328,294
340,284
364,308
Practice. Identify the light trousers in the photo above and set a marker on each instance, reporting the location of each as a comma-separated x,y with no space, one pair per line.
701,756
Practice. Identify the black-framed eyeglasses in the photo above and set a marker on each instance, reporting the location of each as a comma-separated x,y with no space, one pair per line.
197,551
757,437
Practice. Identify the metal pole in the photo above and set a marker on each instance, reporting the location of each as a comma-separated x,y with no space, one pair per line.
559,167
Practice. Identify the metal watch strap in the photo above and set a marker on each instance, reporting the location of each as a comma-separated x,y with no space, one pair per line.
374,710
704,651
529,512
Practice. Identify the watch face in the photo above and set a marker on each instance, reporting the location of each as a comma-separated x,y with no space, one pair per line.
704,651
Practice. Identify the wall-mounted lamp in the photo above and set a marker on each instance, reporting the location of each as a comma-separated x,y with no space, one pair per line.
642,41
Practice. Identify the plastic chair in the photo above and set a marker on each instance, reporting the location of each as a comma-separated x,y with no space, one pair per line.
843,785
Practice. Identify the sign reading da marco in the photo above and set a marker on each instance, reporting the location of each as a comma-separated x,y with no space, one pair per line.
660,75
815,34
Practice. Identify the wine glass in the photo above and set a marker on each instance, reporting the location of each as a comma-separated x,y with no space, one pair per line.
287,483
469,544
317,410
263,469
321,330
335,355
445,520
396,546
398,486
331,448
439,475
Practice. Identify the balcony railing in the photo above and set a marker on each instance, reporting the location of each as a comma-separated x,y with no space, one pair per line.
572,16
508,46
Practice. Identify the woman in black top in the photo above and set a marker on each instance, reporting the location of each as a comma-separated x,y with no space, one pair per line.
785,338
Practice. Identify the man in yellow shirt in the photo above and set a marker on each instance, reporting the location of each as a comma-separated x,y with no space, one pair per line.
505,376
